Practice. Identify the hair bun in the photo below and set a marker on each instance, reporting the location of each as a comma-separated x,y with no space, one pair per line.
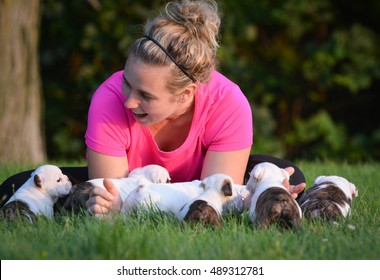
188,31
201,18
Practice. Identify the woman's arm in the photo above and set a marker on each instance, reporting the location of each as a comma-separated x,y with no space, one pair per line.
101,200
104,166
233,163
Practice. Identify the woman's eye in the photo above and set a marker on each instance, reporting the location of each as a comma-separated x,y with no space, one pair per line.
146,97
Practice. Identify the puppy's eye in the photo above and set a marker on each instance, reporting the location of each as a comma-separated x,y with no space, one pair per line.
59,180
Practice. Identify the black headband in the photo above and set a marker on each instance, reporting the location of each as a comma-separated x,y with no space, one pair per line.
171,57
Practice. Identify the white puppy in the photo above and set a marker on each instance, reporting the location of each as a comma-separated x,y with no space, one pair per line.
38,194
271,202
329,198
207,208
167,198
152,172
80,193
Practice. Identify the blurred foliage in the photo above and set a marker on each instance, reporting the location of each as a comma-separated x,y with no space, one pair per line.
311,70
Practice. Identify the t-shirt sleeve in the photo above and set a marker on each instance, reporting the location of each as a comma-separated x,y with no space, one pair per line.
230,126
107,129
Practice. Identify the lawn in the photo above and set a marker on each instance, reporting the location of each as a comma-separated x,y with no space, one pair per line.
160,237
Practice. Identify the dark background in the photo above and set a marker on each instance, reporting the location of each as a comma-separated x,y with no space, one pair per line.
311,70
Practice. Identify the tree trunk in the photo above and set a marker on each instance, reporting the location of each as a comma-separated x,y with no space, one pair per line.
21,139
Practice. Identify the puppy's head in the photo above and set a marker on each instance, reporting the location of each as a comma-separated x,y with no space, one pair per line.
266,173
220,185
207,208
152,172
50,180
347,187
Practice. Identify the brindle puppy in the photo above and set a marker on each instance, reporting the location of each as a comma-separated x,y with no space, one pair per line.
329,199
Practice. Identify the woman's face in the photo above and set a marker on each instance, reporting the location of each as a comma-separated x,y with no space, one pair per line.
146,93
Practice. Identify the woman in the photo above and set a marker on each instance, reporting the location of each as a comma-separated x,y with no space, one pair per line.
169,106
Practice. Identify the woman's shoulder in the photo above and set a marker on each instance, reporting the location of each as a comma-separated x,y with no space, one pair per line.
219,100
108,100
219,81
220,89
110,89
113,81
225,113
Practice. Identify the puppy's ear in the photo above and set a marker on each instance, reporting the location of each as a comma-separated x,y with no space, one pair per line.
285,173
227,188
38,181
142,183
258,173
354,190
319,180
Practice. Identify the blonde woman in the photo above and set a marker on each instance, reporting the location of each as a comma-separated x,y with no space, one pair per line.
169,106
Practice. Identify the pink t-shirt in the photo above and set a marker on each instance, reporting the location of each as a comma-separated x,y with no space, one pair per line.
222,122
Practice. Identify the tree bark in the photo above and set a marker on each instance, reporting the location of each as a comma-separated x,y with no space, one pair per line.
21,138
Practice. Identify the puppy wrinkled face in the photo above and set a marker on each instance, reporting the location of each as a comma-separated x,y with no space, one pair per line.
51,179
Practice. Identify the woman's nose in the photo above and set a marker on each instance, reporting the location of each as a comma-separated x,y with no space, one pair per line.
131,102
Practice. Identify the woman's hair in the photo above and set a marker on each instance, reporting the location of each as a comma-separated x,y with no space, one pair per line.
186,33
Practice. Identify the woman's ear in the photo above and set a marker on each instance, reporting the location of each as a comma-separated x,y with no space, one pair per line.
188,93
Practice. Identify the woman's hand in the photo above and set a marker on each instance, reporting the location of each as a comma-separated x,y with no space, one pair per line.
102,201
294,190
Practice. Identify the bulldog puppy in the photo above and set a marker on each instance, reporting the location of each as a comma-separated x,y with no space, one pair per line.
328,199
152,172
80,193
271,202
168,198
207,208
37,195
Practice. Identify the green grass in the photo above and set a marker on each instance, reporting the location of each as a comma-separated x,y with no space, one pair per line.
162,237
